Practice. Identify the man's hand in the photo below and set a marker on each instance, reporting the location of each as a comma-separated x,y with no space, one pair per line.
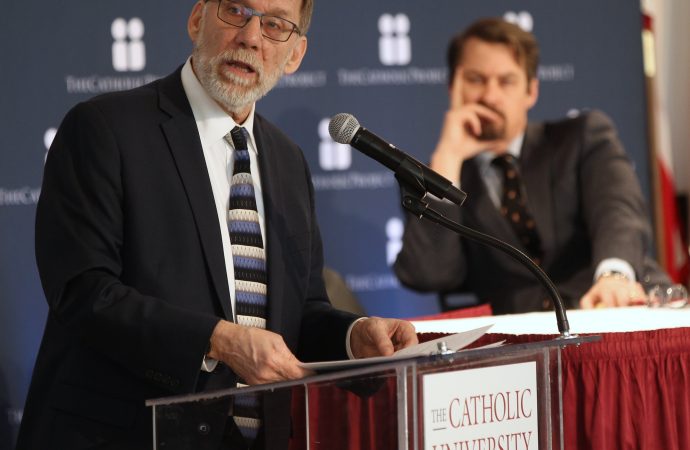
257,356
375,336
609,292
462,127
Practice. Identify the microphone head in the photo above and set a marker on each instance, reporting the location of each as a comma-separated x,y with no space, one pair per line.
343,127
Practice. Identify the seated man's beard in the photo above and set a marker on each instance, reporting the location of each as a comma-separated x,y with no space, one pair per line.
492,130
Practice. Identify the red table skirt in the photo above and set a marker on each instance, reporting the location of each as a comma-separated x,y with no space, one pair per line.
628,391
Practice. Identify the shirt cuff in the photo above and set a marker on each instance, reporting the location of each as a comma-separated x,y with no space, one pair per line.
347,338
615,265
208,364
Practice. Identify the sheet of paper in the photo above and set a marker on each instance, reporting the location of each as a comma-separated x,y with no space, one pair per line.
453,342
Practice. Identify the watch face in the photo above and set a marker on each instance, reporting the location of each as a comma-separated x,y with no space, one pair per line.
613,274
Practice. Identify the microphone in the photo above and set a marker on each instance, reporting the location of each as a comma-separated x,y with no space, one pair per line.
345,129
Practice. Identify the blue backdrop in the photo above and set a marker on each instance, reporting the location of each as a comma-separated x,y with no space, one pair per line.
382,61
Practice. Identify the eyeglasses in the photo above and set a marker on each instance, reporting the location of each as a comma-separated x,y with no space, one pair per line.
272,27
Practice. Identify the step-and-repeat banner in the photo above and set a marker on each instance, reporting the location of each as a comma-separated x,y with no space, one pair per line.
382,61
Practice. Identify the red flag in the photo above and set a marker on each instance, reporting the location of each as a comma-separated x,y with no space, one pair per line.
671,243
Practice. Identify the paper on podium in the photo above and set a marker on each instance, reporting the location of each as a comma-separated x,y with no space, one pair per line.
453,342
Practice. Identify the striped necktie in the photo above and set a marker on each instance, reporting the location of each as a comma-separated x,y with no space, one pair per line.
249,262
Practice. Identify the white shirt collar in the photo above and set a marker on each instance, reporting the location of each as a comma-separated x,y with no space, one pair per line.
514,148
212,122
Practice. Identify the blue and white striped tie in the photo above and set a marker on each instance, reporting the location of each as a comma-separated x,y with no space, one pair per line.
249,262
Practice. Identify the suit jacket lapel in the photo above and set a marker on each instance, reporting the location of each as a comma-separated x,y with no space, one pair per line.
183,138
271,181
535,166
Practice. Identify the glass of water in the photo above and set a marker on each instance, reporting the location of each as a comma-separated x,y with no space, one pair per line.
674,296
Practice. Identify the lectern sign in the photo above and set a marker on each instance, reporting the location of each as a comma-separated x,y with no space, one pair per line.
492,408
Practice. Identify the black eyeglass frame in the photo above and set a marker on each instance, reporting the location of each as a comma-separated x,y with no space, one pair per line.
250,12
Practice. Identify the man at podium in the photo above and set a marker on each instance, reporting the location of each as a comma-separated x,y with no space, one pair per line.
177,245
563,192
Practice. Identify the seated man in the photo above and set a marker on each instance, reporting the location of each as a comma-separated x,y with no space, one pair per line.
563,192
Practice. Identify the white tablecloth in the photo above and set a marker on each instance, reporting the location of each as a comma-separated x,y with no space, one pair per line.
609,320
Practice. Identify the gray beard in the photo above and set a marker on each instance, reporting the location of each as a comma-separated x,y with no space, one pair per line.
233,93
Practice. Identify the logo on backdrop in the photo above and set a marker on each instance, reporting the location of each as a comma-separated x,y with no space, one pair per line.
129,51
48,137
395,46
394,49
336,159
127,56
523,19
394,233
304,79
545,72
373,282
23,196
26,195
332,155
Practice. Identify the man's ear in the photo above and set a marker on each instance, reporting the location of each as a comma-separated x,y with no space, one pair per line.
297,54
194,21
532,92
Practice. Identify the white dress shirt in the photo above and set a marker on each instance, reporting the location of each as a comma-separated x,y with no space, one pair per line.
213,124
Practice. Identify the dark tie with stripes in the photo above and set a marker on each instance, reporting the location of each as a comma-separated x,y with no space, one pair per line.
514,207
249,262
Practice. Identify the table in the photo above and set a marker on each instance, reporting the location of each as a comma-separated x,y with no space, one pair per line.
629,391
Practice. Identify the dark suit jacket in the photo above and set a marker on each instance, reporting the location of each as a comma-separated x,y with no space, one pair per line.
130,257
586,202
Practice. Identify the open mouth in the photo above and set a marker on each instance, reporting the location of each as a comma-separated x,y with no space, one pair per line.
240,67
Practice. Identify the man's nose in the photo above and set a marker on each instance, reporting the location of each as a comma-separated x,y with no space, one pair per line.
492,92
249,36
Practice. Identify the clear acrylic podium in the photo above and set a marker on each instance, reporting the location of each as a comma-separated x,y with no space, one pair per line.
384,406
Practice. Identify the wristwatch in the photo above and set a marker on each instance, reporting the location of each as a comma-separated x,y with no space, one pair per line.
613,274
